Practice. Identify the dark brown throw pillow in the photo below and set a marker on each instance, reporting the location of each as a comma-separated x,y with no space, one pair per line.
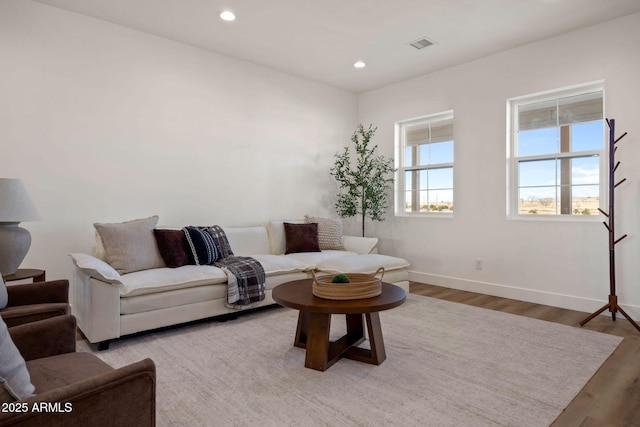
301,237
172,245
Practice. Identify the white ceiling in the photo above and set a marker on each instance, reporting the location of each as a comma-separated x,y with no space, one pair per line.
321,39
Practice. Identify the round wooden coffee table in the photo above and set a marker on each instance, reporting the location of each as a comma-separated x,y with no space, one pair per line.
314,321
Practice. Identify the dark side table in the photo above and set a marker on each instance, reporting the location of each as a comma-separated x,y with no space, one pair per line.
26,273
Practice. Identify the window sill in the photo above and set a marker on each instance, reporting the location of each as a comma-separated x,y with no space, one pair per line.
434,215
556,218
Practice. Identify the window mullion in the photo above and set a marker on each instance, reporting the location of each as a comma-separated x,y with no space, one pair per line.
565,171
415,180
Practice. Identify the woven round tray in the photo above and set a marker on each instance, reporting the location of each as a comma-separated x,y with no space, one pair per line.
359,286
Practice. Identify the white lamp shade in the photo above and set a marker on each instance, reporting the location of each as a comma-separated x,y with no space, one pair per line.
15,203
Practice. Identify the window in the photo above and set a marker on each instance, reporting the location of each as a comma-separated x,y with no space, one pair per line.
556,153
425,170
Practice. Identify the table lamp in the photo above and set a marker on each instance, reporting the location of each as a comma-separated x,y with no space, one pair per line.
15,206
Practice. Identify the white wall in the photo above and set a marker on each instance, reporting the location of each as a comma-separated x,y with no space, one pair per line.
106,124
558,263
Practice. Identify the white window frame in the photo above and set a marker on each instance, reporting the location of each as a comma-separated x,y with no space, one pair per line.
513,159
401,168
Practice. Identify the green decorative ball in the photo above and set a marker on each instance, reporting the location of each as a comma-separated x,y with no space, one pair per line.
340,278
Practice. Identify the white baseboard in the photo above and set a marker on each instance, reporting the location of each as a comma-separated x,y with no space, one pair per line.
570,302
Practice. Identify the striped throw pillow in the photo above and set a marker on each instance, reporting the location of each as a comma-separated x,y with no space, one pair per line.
201,244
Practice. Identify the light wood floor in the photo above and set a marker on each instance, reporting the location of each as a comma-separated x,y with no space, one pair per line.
612,396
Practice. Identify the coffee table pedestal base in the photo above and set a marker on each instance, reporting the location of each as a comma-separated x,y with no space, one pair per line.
312,334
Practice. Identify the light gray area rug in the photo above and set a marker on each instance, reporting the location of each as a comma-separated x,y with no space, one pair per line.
447,364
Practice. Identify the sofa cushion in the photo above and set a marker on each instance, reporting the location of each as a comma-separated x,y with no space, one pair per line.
359,245
367,264
248,241
173,247
164,279
312,259
173,298
329,232
97,268
98,249
131,246
279,264
50,373
301,238
277,239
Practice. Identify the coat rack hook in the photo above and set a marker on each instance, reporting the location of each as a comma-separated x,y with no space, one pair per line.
616,242
616,166
620,182
621,136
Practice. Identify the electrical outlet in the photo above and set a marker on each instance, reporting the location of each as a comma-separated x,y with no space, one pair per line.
478,263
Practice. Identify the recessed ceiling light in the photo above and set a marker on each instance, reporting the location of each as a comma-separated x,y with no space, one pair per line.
359,64
227,15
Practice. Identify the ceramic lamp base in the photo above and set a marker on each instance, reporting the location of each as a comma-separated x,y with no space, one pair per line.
14,245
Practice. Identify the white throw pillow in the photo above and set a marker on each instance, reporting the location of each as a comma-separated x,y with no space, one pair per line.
246,241
98,249
277,237
359,245
4,298
13,370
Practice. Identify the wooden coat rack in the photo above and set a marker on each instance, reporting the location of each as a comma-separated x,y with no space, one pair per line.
612,305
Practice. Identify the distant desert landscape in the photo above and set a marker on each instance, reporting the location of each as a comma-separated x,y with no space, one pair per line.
541,206
546,206
434,207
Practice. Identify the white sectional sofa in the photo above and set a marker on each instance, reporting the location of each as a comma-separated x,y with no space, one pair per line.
109,305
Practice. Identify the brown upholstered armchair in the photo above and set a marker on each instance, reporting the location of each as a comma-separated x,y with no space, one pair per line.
35,301
78,388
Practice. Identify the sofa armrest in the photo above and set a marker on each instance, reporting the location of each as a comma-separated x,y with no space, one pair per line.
54,291
124,396
96,268
45,338
359,245
96,305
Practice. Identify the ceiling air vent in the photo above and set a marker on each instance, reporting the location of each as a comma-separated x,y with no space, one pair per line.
421,43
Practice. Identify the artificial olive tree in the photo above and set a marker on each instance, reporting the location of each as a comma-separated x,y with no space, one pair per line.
364,187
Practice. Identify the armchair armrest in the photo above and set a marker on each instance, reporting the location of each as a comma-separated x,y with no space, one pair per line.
44,338
124,396
36,301
54,291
